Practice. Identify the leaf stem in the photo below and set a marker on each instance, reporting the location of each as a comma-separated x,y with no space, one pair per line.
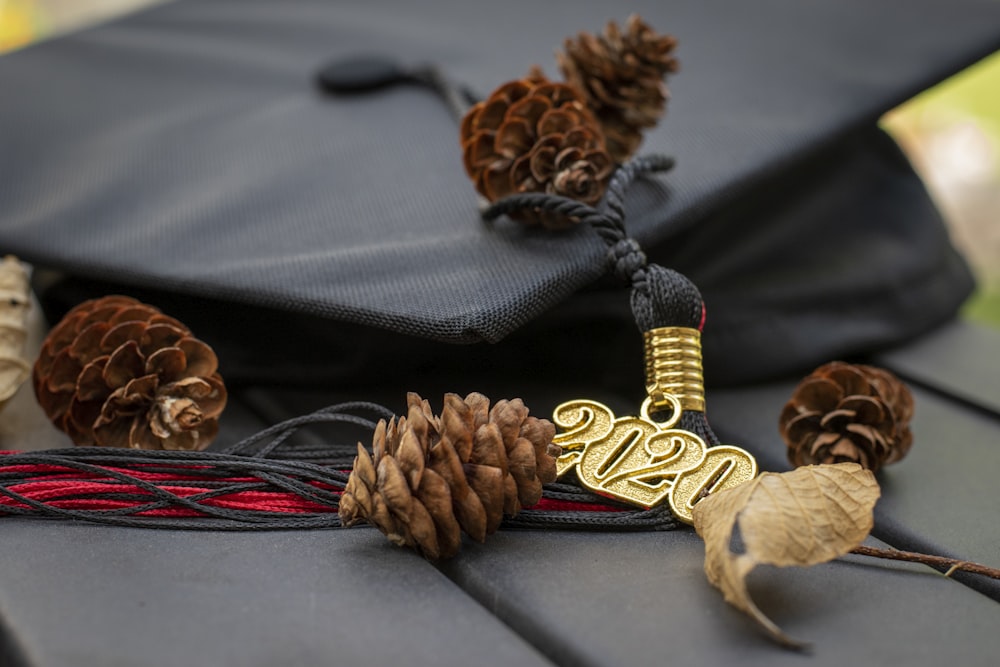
938,562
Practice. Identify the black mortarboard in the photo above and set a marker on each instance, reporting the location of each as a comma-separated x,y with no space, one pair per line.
185,150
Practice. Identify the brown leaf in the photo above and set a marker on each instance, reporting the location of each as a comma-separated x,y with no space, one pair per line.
807,516
13,372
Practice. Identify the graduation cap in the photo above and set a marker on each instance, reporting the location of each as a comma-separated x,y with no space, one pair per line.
184,154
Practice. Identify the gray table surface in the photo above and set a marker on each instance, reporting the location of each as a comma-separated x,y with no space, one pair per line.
75,595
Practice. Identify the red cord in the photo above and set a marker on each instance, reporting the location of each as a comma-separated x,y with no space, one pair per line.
571,506
66,488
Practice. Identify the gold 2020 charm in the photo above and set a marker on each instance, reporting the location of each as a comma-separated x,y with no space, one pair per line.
642,461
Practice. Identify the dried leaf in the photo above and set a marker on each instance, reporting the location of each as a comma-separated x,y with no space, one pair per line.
14,300
807,516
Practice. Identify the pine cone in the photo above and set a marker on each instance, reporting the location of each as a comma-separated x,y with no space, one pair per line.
533,135
622,77
432,477
848,413
118,373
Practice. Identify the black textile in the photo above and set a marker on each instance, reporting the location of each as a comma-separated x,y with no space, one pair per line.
185,149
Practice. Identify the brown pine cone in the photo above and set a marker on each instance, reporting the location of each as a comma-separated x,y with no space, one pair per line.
432,477
848,413
622,77
119,373
533,135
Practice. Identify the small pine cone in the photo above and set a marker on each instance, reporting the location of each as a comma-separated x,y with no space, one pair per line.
432,477
533,135
848,413
119,373
622,77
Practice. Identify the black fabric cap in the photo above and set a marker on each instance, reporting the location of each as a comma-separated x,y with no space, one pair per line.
187,149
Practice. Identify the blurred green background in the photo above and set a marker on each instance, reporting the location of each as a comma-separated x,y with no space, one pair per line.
951,134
